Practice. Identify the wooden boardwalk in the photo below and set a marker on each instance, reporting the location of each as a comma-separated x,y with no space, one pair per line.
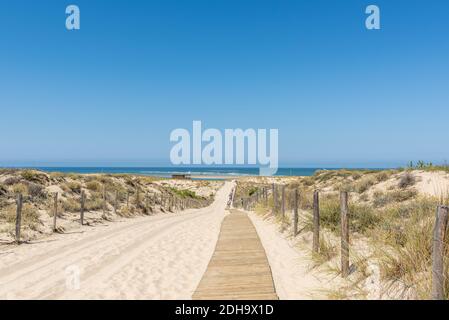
239,267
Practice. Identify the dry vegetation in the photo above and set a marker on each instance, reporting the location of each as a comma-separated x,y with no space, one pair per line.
136,195
392,217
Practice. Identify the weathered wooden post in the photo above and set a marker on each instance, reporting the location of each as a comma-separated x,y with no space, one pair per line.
283,201
344,234
274,198
266,197
55,211
170,202
438,250
147,205
19,216
104,202
316,222
127,200
83,199
295,212
137,197
116,202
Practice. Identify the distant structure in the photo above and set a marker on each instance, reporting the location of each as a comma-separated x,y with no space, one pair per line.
181,176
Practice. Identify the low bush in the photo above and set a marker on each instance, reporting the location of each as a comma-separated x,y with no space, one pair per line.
406,180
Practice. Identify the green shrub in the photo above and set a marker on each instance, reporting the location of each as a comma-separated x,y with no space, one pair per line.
184,193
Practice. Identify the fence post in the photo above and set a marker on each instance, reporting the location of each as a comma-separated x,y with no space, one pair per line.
104,202
344,234
115,201
83,195
55,211
147,205
316,222
137,198
127,200
283,201
266,196
170,202
295,212
19,216
438,250
274,199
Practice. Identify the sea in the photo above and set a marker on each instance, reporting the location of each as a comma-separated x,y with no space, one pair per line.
167,172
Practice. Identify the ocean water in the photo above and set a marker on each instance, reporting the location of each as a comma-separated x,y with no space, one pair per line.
168,171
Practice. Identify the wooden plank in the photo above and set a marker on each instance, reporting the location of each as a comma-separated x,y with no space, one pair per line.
239,267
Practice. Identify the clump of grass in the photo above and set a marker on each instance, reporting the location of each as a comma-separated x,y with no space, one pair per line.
70,205
30,216
74,186
405,257
382,176
380,199
308,181
28,175
402,195
330,212
93,186
364,184
19,188
94,203
406,180
34,176
362,217
327,251
346,186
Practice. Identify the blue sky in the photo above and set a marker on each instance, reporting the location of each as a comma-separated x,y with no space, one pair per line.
112,92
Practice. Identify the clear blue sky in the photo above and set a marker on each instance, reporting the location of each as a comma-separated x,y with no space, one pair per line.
111,92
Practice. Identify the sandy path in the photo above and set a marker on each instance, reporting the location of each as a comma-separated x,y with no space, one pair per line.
293,276
159,257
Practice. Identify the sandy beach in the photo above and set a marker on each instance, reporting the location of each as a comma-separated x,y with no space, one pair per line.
156,257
